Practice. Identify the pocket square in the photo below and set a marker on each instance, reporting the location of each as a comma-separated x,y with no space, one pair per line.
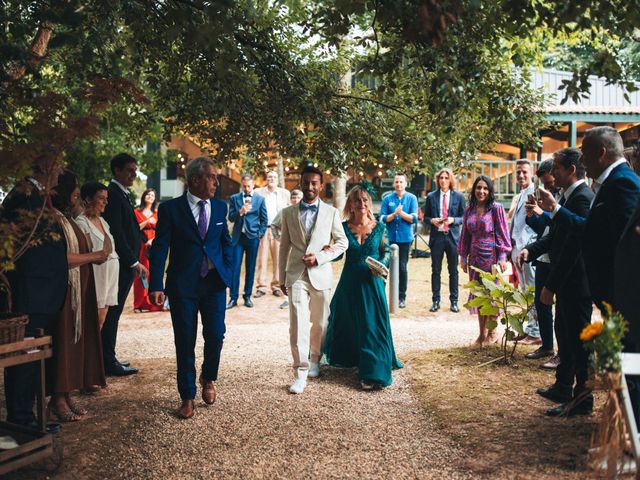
219,223
599,205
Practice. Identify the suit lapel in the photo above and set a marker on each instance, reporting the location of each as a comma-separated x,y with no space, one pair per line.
210,219
186,210
439,203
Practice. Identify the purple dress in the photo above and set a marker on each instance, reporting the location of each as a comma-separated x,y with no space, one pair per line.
478,242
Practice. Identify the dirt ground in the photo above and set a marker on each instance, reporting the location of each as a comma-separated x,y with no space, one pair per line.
440,419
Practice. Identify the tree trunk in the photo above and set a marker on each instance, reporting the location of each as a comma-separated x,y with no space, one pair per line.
37,51
281,182
340,191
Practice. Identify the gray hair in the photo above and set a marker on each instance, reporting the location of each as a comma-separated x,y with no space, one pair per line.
296,192
195,168
608,138
523,161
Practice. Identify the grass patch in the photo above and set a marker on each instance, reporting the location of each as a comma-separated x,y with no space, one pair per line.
495,415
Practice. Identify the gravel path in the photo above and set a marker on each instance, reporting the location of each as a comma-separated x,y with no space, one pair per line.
257,429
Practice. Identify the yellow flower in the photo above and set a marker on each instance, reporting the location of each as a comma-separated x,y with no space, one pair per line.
590,331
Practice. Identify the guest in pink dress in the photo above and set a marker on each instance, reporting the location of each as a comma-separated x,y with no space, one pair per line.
484,241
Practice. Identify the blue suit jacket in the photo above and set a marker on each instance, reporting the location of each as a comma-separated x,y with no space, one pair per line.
601,230
255,220
177,235
455,210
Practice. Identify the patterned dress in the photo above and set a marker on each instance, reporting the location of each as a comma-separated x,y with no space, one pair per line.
484,240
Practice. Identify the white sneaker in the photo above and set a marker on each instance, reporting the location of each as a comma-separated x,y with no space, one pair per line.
314,370
298,386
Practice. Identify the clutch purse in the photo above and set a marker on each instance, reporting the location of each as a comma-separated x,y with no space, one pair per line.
508,271
377,267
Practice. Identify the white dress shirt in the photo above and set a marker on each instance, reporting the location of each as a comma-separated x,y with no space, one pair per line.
195,211
271,202
122,187
597,183
307,217
566,194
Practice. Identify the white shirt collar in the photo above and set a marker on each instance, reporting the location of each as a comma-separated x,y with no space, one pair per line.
193,200
36,183
122,187
607,171
317,202
567,193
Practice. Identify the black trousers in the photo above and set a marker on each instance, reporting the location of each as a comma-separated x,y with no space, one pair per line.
403,254
110,328
21,381
444,244
544,312
572,314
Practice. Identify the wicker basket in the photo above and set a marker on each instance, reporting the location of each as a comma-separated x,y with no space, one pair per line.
12,327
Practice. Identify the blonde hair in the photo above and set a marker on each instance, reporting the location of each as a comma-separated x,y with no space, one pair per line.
452,177
353,194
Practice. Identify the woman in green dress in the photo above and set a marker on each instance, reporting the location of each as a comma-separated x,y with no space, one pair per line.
359,332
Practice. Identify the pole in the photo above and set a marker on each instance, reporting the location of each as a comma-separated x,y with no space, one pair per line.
394,279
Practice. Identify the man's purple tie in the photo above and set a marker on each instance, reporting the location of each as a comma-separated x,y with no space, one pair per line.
202,229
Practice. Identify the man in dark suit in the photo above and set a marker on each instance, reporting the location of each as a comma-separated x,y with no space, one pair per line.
541,222
248,213
444,210
567,281
127,237
39,280
617,190
193,229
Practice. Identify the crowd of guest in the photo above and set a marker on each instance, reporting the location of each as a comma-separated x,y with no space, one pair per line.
573,244
72,282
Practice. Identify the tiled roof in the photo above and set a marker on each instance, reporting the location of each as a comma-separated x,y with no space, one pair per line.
629,110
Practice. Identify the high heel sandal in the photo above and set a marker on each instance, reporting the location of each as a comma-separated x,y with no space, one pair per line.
75,408
64,417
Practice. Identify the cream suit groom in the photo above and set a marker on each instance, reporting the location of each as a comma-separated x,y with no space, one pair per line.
306,274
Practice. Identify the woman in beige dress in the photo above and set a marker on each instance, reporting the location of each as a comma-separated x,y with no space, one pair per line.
95,197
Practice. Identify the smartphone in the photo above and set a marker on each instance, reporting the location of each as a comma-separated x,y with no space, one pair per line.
536,192
145,281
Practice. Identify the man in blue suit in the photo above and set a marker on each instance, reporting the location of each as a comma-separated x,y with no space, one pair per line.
248,213
444,210
192,229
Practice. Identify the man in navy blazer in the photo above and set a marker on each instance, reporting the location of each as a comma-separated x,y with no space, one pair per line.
444,210
192,229
248,213
617,189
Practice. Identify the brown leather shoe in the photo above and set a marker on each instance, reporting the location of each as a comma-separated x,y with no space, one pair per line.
529,340
208,391
187,409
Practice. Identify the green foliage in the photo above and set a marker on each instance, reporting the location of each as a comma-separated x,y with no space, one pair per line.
494,295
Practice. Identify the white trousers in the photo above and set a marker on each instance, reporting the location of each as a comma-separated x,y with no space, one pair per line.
268,245
307,305
527,278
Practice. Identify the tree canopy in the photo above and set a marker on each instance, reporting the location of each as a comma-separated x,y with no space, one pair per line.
437,81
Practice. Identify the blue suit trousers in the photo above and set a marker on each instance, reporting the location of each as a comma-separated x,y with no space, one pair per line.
210,301
248,246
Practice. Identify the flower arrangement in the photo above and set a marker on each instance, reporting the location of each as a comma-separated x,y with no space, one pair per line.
604,340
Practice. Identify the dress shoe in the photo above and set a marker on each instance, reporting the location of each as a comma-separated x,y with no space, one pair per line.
247,302
208,391
298,386
435,307
539,353
284,304
552,364
231,304
402,304
186,410
314,370
566,410
368,386
119,370
554,394
260,293
124,364
529,340
454,307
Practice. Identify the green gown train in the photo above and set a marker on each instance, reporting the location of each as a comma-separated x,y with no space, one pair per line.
359,332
